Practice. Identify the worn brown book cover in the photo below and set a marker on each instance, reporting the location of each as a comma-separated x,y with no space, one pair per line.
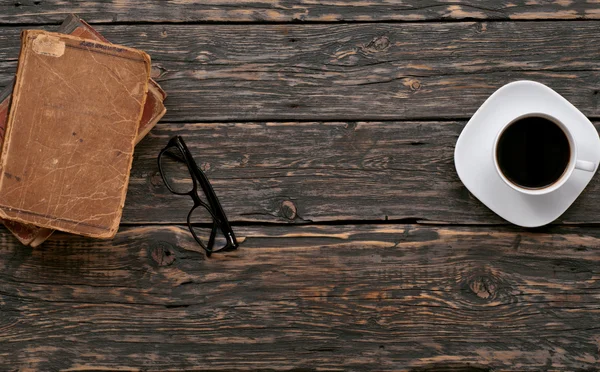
154,110
41,236
66,156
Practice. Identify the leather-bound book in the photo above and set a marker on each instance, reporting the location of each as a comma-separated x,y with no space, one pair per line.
154,110
71,130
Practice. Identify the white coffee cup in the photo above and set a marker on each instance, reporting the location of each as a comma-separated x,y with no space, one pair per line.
573,164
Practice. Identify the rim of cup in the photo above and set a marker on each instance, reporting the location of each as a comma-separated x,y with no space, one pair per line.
566,173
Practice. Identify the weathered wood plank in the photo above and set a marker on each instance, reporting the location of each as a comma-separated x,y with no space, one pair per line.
297,172
355,71
383,297
352,171
38,11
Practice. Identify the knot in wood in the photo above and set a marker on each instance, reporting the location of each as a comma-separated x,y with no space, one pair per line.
156,179
162,253
244,160
378,44
412,84
483,287
486,287
205,167
288,210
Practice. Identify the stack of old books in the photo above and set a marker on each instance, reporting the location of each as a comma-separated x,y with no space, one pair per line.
69,125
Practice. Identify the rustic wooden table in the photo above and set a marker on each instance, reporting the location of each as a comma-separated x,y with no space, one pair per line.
327,129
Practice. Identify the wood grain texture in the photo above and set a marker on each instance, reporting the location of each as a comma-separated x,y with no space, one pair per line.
325,121
355,71
313,171
385,297
42,11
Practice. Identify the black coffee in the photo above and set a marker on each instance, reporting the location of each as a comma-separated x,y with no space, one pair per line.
533,152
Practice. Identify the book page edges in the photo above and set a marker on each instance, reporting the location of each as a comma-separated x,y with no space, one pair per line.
117,221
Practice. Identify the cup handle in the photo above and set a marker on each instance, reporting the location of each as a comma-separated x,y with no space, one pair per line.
587,166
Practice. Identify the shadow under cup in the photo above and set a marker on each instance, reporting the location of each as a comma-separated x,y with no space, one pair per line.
534,152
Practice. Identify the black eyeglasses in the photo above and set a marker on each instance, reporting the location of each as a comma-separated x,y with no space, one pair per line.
206,221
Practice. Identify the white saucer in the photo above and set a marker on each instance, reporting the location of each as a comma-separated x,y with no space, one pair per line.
474,154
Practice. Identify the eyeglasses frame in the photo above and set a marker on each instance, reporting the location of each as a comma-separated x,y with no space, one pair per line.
213,207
